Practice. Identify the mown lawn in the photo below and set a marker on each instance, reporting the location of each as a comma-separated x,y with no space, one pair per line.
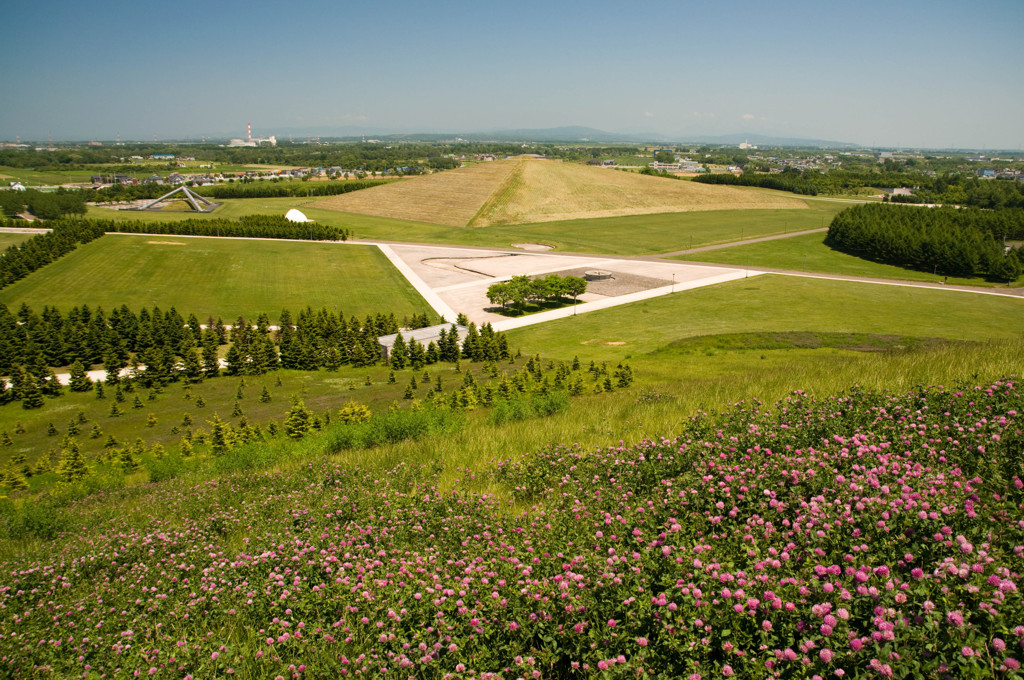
629,235
220,277
775,303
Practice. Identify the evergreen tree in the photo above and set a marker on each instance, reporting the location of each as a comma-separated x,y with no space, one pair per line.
191,368
51,386
210,362
127,461
79,381
32,396
236,411
354,412
72,466
399,353
265,395
220,436
297,422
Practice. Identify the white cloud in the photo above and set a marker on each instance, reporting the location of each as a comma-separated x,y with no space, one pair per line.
748,116
648,114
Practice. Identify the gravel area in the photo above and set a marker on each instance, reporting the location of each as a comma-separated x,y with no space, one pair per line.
621,283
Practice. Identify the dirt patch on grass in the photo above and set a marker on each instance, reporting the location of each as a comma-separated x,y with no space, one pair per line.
166,243
533,246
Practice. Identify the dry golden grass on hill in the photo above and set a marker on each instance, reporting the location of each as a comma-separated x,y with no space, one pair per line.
523,191
452,197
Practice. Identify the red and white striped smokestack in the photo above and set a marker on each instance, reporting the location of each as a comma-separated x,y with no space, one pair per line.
249,125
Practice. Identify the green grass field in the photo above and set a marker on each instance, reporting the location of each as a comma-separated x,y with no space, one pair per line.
808,253
30,177
8,239
629,235
774,303
220,277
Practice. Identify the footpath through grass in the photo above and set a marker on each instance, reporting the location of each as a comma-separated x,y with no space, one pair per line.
808,253
220,277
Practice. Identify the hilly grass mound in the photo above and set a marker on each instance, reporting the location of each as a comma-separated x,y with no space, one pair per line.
528,191
548,191
219,277
452,198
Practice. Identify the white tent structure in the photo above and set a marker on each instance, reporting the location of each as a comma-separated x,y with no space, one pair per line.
294,215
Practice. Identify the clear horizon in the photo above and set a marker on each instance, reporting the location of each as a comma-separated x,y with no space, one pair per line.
917,74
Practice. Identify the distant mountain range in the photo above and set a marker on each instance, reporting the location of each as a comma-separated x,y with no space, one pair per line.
567,134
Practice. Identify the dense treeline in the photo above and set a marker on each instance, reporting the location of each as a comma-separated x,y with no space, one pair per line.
243,189
44,205
350,155
949,188
249,226
991,194
163,346
966,242
22,259
784,181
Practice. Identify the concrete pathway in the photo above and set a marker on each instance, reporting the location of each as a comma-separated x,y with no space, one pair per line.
439,305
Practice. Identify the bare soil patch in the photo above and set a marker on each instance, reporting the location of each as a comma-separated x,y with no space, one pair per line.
533,246
166,243
621,283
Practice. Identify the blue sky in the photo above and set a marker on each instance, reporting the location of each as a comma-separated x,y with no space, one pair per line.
912,73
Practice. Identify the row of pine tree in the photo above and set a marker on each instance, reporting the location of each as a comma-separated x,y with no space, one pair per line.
947,241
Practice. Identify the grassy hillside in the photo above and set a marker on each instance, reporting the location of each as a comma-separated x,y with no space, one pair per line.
529,191
548,191
219,277
450,198
267,559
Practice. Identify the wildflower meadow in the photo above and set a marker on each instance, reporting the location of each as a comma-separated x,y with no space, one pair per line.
867,535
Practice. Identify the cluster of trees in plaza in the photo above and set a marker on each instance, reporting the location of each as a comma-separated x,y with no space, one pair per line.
23,258
522,290
948,241
44,205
